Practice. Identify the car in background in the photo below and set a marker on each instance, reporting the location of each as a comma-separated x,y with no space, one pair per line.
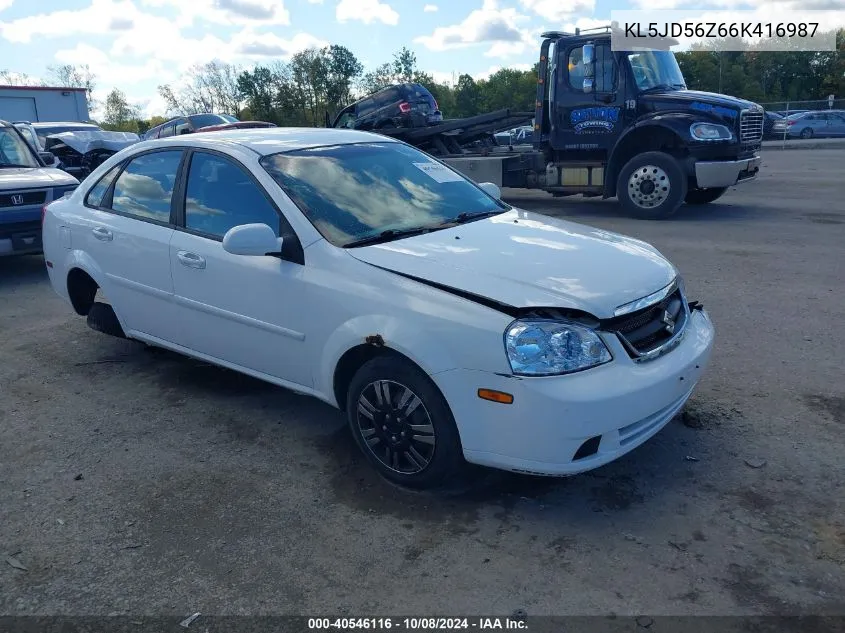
26,186
768,124
46,128
208,122
813,124
400,106
356,269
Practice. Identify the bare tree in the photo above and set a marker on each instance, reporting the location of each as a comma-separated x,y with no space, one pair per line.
9,78
72,76
210,87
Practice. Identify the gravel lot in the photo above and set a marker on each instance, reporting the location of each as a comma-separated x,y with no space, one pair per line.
134,481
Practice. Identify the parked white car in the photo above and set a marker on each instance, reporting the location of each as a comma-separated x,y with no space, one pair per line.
449,326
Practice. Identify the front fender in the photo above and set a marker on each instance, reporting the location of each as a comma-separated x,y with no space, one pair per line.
417,344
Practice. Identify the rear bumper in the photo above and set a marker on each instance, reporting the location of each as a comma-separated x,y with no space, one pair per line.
20,238
726,173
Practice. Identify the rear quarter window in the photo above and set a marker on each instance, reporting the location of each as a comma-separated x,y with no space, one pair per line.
94,197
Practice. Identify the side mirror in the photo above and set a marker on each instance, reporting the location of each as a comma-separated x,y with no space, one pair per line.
491,189
47,157
252,239
589,61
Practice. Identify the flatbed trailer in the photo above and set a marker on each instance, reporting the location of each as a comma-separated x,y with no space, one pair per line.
609,123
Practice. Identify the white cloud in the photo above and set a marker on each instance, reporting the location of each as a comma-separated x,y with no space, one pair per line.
366,11
556,10
315,1
5,4
101,16
228,12
490,23
429,8
255,45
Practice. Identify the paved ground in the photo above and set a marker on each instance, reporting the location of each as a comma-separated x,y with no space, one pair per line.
139,482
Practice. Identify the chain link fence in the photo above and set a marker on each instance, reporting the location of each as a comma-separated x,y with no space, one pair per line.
794,106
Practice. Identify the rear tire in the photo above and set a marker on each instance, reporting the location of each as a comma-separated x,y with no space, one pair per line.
703,196
807,133
409,434
651,186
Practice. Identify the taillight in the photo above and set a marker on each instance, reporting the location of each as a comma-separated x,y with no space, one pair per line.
404,107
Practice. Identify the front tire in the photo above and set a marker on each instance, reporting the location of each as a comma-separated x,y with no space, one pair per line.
403,424
652,186
704,196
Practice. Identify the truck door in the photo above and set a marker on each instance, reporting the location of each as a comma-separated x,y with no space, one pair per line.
590,121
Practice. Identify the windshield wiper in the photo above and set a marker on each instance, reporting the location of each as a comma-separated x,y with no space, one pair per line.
465,217
387,236
658,87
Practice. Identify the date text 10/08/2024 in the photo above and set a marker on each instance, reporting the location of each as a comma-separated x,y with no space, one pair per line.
418,624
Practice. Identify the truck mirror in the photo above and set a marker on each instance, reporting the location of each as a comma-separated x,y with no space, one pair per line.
589,55
588,84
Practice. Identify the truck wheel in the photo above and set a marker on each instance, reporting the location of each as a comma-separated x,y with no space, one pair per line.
651,186
703,196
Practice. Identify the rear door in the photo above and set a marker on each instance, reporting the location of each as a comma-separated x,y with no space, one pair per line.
127,232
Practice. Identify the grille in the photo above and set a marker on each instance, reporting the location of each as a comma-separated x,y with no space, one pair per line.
750,128
22,198
648,329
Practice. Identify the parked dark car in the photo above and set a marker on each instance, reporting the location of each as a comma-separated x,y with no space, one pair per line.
200,123
402,105
768,124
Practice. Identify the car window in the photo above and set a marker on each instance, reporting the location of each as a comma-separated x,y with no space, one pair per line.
365,107
166,130
605,69
182,126
145,187
220,195
14,149
355,191
94,198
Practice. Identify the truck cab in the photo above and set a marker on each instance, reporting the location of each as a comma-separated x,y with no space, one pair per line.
623,123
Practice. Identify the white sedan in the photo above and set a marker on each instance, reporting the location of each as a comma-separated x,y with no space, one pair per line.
449,326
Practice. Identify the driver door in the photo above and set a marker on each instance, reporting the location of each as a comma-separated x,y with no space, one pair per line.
589,121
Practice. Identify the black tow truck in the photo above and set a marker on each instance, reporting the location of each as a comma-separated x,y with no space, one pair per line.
611,124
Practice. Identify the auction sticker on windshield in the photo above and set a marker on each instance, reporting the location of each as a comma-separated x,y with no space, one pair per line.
438,172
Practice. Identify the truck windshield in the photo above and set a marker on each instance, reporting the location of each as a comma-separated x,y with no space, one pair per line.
14,152
357,192
656,69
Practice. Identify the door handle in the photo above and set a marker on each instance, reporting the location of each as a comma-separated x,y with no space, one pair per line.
191,260
103,234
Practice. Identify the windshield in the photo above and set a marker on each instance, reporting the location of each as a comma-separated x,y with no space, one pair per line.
656,69
797,115
357,191
29,135
204,120
14,152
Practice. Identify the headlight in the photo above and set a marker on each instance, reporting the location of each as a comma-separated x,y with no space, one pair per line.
538,347
710,132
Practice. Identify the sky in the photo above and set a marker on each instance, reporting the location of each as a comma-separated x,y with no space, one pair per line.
136,45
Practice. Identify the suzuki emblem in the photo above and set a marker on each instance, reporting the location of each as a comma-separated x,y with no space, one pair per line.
17,199
669,321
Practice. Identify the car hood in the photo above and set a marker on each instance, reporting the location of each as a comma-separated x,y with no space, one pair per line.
525,259
719,106
31,177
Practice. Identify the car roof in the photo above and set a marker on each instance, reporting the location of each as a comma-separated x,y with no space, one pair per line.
272,140
38,124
